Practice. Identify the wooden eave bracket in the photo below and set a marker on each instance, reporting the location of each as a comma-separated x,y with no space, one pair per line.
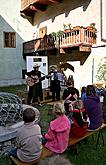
28,13
39,6
55,1
31,7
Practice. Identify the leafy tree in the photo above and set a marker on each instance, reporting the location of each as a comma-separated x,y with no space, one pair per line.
101,72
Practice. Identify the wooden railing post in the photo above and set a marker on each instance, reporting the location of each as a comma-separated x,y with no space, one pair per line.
26,3
82,35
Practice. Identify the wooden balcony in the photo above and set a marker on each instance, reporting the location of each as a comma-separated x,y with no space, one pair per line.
29,7
80,37
40,44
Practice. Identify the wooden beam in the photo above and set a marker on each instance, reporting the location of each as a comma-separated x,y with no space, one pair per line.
27,12
33,8
43,2
56,1
40,6
84,49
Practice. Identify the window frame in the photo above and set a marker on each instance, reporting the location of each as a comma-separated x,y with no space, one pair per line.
9,39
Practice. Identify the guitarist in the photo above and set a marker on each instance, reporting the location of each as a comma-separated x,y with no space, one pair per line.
35,90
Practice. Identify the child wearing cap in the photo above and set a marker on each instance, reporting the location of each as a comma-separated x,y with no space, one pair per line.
58,133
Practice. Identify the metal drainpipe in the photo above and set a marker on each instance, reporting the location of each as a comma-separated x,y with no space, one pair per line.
101,20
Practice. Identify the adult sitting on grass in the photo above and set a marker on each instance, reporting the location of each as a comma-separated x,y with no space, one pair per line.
93,108
58,133
28,139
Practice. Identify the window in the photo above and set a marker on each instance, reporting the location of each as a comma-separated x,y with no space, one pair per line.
37,59
10,39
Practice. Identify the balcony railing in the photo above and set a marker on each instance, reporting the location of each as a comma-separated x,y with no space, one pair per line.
77,36
45,43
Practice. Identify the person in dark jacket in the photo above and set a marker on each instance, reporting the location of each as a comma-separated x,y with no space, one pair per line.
34,81
55,86
104,104
93,108
70,94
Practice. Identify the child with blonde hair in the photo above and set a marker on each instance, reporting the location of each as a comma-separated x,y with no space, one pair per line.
58,133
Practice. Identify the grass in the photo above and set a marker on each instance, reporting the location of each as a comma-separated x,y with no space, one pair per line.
87,154
4,160
12,89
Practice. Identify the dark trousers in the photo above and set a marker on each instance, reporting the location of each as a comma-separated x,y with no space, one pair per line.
55,89
55,94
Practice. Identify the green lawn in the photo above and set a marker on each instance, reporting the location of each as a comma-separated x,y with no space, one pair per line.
12,89
87,154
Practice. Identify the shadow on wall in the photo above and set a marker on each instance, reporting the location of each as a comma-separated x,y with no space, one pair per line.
67,65
58,9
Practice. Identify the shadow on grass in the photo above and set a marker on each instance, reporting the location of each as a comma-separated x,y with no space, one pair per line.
87,153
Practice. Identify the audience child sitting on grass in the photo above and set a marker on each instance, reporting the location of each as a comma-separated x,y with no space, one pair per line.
58,133
28,139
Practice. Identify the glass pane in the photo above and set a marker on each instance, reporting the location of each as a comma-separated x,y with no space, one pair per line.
6,39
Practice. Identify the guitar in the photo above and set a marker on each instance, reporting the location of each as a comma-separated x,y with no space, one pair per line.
33,80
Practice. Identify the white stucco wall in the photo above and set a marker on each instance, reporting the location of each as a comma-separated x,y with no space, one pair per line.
10,11
11,59
76,12
79,13
90,67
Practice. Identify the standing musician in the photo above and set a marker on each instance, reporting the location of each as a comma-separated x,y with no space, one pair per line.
55,79
34,80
